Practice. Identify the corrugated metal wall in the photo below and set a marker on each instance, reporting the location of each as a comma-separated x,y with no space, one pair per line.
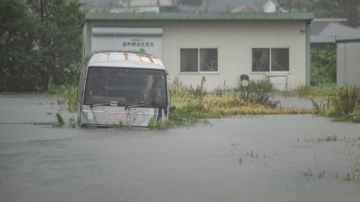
348,63
234,40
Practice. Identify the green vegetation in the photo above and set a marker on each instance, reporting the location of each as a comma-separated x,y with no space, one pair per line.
355,175
67,93
35,48
59,121
72,122
322,75
189,106
318,91
257,92
347,177
324,9
119,125
160,124
342,104
357,170
323,67
327,138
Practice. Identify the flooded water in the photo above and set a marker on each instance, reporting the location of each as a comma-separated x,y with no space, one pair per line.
254,158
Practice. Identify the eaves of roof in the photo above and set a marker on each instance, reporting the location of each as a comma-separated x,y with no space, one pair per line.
330,32
348,40
199,16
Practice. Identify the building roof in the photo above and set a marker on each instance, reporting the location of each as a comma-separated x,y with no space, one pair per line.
242,9
199,16
221,6
329,32
348,40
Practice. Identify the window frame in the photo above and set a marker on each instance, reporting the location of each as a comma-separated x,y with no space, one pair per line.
198,61
270,60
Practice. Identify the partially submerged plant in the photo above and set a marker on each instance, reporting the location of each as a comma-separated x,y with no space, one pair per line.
68,93
343,104
160,124
119,125
257,93
72,122
331,138
355,175
307,173
347,177
328,138
357,170
59,122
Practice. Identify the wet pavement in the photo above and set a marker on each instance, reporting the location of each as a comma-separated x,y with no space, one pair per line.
254,158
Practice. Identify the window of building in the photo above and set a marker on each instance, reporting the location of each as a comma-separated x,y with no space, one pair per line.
270,59
198,60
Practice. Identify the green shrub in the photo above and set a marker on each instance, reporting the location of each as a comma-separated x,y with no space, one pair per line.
257,92
68,93
342,103
189,115
323,66
59,121
355,115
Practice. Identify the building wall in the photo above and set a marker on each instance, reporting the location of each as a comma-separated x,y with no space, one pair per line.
348,63
234,40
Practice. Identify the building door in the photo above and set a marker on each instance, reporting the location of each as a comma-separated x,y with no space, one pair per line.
144,40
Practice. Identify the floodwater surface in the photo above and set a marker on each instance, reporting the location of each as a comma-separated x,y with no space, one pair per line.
255,158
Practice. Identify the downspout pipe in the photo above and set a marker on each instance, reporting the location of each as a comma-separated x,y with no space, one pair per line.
307,53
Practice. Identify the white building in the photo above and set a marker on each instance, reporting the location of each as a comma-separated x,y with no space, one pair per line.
348,62
218,46
270,7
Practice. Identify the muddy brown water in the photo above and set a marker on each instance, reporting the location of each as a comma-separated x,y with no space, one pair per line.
253,158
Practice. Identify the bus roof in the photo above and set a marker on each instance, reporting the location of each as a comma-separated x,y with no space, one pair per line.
124,59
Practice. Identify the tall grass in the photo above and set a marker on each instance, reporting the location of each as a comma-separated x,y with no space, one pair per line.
343,104
257,92
318,91
188,106
67,93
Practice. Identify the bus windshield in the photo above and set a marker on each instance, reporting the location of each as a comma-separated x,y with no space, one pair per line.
125,86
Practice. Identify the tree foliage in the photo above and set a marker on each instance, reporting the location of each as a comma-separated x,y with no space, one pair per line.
323,66
348,9
39,43
16,45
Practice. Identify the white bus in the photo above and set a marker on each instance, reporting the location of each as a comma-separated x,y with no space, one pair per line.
121,87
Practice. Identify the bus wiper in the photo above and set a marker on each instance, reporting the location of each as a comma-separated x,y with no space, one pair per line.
101,104
140,104
112,103
154,104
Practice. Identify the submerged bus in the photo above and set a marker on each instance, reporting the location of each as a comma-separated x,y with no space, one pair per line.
122,87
